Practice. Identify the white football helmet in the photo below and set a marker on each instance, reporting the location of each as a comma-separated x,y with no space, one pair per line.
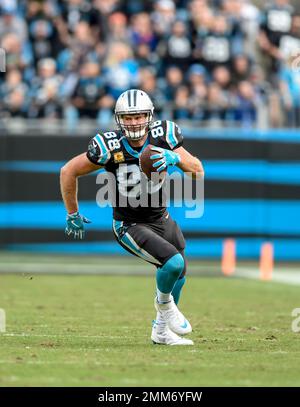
134,101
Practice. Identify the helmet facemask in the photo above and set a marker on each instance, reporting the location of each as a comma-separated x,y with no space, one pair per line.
134,131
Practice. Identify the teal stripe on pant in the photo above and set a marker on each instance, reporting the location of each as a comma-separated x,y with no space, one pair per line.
177,289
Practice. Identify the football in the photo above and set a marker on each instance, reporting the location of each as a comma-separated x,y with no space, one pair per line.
146,164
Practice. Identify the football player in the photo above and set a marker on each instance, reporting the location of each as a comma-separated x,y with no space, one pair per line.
148,232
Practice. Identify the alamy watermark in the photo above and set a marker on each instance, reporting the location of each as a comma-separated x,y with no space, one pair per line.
2,60
131,188
296,322
2,320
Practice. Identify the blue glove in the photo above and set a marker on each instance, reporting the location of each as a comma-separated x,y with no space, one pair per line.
168,157
75,225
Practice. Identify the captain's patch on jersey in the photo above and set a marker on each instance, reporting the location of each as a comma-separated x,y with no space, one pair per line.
119,157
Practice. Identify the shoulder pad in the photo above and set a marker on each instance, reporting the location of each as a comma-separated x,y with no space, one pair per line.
167,134
98,150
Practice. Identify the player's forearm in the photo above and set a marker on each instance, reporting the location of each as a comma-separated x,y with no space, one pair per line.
190,164
78,166
68,187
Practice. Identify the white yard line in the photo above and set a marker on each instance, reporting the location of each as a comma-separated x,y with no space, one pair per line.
29,335
75,268
284,276
71,268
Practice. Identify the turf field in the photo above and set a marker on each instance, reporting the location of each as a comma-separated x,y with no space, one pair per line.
73,327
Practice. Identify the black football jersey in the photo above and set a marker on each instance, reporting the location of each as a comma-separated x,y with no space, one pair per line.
136,199
276,22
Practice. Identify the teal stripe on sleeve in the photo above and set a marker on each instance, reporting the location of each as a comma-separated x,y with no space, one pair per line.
104,151
171,134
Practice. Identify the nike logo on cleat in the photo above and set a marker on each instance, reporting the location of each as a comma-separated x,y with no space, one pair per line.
184,325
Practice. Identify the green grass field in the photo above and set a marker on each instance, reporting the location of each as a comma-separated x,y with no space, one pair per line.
94,330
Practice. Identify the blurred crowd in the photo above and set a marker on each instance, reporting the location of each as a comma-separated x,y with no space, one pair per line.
218,61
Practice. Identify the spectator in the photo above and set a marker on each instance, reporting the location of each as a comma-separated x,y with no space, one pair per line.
90,99
142,32
173,79
201,20
222,76
289,44
11,23
290,90
196,78
120,69
218,46
241,68
15,104
17,56
232,10
48,102
82,48
216,105
250,17
198,9
118,28
42,40
176,49
276,22
163,17
44,92
245,110
146,58
99,16
13,81
89,91
75,11
181,108
196,74
148,83
46,69
43,34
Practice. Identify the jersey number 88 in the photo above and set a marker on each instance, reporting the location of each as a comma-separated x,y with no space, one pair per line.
157,131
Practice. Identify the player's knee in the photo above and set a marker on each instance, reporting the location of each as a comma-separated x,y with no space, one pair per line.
175,265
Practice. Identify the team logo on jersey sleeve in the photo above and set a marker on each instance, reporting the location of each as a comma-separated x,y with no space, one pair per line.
119,157
93,149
